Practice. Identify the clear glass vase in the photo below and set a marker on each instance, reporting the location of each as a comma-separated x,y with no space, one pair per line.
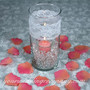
44,29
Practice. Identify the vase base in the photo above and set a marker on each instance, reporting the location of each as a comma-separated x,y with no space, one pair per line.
42,69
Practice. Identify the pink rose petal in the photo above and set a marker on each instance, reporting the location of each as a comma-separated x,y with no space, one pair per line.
41,81
73,55
81,49
72,85
72,65
89,48
87,62
16,41
24,86
13,51
12,80
65,45
25,68
83,75
53,87
27,49
6,61
63,38
61,75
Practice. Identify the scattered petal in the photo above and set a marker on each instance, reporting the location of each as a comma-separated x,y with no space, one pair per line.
25,68
72,85
83,75
24,86
61,75
13,51
72,65
12,80
53,87
74,55
65,45
87,62
6,61
16,41
63,38
89,48
81,49
27,49
41,81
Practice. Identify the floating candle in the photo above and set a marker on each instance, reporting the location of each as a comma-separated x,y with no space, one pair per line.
44,45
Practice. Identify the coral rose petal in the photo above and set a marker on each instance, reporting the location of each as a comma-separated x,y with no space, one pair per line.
13,51
12,80
25,68
63,38
27,49
74,55
65,45
24,86
89,48
72,85
41,81
87,62
72,65
83,75
16,41
53,87
81,49
61,75
6,61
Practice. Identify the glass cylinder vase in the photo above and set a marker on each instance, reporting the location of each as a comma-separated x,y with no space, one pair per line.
44,29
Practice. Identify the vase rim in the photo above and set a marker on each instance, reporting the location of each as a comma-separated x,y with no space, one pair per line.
50,4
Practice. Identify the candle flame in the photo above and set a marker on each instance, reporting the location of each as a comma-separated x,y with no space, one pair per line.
44,38
44,24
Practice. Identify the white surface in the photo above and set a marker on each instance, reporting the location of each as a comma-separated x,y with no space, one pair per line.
14,23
